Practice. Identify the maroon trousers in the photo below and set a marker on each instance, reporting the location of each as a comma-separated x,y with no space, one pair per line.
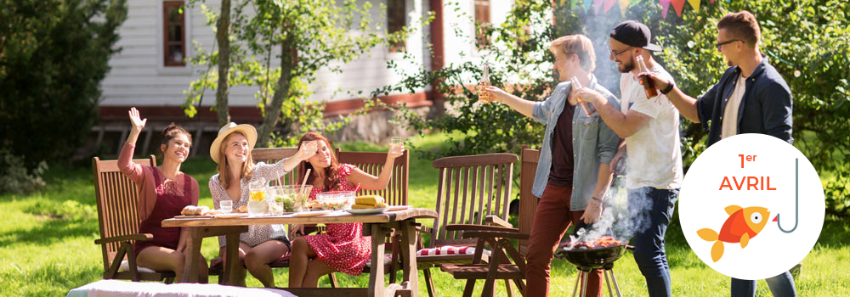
552,218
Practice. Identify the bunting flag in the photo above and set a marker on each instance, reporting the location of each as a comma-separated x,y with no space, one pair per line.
608,5
603,6
665,6
624,4
694,4
587,4
678,5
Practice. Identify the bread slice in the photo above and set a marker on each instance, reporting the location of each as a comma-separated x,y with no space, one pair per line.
369,200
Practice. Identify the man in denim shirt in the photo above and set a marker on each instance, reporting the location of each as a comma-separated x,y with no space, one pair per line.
751,97
650,127
572,174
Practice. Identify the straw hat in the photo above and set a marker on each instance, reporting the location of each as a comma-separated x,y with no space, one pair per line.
249,131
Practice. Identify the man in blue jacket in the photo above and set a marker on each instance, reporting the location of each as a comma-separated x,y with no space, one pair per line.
751,97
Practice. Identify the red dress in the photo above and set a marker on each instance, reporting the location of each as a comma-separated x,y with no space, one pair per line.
167,206
343,247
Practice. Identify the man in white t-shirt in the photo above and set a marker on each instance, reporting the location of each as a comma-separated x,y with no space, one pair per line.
650,127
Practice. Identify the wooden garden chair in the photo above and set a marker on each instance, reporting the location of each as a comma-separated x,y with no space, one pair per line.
395,193
118,219
527,201
473,196
505,263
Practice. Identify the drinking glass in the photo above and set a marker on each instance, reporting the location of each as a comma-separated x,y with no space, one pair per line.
302,194
396,146
226,206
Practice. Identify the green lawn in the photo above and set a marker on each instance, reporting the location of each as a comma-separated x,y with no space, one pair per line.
47,243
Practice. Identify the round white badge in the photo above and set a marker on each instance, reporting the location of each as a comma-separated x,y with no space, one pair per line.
731,198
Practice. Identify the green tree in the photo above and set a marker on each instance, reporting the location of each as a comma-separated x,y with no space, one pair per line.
305,36
53,55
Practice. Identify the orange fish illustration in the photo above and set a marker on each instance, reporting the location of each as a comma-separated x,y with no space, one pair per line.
742,225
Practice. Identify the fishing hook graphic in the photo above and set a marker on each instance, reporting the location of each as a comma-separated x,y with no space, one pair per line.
796,199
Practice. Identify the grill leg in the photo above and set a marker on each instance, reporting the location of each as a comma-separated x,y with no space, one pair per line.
608,281
616,285
584,284
578,278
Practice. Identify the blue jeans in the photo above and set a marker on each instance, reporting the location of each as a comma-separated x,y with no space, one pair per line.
780,286
650,211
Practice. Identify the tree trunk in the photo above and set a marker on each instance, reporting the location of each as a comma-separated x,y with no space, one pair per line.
288,62
223,39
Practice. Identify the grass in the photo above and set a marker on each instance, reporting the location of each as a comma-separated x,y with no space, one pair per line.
47,242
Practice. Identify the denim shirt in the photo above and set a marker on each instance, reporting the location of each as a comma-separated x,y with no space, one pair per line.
765,108
593,143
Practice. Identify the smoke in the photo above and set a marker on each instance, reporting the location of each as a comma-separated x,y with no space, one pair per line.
621,218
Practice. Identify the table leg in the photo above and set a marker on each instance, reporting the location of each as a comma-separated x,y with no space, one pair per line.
408,256
376,277
193,248
232,252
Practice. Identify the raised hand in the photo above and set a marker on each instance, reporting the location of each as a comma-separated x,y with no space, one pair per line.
307,150
136,121
496,94
395,151
590,96
660,83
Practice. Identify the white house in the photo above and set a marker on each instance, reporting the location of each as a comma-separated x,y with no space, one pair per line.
152,70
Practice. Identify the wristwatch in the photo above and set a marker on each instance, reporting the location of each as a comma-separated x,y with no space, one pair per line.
669,88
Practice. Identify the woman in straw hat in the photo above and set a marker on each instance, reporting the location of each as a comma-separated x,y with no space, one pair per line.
343,247
262,244
163,193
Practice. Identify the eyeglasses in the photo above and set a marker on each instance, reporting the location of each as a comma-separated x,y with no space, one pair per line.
615,53
720,44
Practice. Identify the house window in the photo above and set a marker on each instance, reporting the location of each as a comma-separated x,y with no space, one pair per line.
174,37
482,19
396,19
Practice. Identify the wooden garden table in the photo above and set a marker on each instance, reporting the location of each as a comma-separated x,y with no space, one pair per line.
373,224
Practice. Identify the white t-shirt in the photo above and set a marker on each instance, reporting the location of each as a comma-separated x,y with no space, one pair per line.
655,156
730,114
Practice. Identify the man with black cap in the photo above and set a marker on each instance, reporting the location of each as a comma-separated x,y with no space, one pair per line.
650,127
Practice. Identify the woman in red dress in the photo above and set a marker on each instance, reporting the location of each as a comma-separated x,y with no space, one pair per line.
343,247
163,193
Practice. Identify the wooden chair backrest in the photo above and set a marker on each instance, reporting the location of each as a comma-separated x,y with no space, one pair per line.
469,189
117,203
527,201
272,155
373,163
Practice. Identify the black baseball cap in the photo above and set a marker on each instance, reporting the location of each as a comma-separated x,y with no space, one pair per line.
635,34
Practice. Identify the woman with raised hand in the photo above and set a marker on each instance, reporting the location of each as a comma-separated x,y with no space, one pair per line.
343,247
262,244
164,192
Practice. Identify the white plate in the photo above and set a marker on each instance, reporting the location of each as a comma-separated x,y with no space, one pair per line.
366,211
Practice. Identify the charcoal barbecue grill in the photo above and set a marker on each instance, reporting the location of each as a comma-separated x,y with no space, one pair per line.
589,259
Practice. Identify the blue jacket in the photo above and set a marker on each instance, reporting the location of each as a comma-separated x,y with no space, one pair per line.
765,107
593,143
